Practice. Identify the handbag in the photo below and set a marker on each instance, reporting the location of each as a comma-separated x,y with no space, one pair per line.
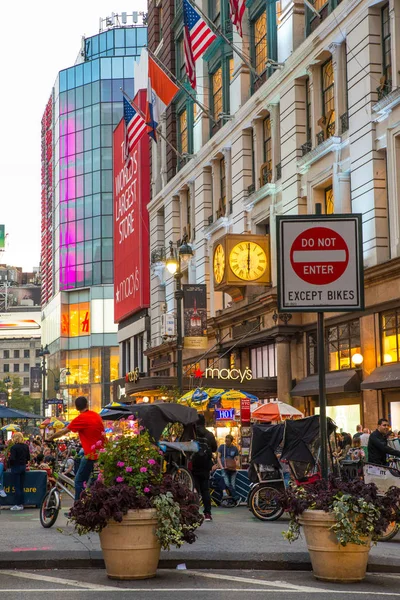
230,463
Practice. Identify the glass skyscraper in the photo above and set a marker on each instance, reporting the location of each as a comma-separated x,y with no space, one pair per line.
77,245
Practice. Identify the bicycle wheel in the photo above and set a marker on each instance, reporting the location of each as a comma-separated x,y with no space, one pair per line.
50,508
184,477
264,504
390,532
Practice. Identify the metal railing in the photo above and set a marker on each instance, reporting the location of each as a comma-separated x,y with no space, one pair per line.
384,89
320,137
266,176
344,122
306,148
251,189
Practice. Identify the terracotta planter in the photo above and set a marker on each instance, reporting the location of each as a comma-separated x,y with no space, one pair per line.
331,561
131,549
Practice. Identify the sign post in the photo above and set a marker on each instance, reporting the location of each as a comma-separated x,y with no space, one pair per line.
320,269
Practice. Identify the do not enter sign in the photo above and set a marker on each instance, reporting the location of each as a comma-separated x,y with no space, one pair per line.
319,255
320,263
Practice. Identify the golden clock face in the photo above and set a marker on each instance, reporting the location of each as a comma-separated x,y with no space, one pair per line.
248,261
219,263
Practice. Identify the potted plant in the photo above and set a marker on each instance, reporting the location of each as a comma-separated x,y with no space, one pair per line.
341,519
135,507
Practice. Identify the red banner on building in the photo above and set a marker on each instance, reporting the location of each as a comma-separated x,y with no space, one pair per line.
245,411
131,194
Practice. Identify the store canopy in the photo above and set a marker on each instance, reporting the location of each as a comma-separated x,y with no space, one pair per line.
12,413
276,411
382,378
335,383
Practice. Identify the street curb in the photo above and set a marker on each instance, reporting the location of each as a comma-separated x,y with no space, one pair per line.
81,560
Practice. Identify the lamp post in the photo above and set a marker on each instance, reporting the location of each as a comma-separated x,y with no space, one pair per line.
9,387
174,266
43,353
57,380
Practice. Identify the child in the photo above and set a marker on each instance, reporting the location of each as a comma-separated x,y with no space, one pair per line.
356,453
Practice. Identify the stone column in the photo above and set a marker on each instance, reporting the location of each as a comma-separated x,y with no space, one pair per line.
258,134
339,75
290,27
276,138
284,369
227,152
341,191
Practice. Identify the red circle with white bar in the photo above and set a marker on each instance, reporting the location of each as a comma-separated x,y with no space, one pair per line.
319,255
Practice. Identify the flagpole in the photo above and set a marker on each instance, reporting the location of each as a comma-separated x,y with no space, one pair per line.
141,113
219,32
181,86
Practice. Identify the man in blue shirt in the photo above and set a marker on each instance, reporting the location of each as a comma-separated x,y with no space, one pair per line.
228,462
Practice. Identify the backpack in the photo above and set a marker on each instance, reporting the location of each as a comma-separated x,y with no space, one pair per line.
202,458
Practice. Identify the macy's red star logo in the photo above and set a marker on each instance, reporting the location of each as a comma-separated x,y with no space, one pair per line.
198,374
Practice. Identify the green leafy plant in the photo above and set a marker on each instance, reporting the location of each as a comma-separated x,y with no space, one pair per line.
359,511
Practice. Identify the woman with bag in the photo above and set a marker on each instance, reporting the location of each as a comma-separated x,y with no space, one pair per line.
227,461
18,458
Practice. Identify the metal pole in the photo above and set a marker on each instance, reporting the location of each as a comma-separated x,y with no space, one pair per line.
321,385
179,335
43,407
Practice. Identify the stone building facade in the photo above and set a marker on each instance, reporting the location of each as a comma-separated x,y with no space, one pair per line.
317,120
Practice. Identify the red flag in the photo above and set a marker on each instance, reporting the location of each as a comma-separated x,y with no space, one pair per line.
236,11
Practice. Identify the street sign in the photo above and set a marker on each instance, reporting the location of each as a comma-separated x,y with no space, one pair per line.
320,263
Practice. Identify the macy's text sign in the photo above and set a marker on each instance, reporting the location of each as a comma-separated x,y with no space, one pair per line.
229,374
320,263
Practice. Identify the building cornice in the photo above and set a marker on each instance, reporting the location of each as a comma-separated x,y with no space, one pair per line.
382,273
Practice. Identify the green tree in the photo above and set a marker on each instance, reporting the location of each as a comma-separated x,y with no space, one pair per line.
18,400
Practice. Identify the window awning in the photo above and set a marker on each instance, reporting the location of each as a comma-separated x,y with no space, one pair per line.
335,383
382,378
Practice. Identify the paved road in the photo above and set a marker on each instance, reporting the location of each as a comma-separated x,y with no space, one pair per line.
234,540
189,585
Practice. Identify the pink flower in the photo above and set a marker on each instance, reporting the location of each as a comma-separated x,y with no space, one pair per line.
146,490
131,418
84,485
93,447
102,450
136,431
143,469
100,477
99,444
161,452
119,479
129,469
151,461
120,463
141,428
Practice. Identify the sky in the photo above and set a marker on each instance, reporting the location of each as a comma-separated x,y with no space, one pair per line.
38,40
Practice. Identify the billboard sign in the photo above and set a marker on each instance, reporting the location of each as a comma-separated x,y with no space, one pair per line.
131,194
23,296
195,316
320,263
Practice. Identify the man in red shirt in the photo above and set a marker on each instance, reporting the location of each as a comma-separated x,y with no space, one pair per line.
90,427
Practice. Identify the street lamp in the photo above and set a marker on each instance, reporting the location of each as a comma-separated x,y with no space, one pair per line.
174,264
43,352
8,384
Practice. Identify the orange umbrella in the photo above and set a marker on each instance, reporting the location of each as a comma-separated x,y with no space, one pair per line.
276,411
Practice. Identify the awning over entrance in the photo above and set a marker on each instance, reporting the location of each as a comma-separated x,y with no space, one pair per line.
382,378
337,382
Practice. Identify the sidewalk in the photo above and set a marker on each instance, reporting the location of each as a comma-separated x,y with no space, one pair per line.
234,540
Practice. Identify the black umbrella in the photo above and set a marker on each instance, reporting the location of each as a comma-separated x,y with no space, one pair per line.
155,417
265,441
299,438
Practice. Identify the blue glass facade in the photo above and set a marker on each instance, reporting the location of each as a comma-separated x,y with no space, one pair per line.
88,105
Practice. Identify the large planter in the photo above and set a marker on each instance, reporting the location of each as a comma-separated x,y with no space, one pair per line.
330,560
131,549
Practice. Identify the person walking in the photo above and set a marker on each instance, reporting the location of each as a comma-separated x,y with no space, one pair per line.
227,461
378,448
90,428
18,458
202,464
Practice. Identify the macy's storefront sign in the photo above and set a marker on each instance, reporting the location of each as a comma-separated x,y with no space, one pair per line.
234,374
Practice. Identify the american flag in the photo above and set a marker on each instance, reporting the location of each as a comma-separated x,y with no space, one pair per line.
236,11
135,127
197,37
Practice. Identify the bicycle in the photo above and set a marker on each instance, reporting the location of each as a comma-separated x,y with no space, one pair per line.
174,452
51,503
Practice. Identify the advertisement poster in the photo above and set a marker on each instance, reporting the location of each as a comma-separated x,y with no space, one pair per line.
131,194
36,380
23,296
195,316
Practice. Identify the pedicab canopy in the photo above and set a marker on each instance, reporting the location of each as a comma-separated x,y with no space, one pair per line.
301,440
155,417
265,441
